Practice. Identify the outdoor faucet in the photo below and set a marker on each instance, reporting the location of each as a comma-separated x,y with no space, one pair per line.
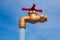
32,17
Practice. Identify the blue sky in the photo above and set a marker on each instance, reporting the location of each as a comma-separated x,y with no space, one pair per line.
10,13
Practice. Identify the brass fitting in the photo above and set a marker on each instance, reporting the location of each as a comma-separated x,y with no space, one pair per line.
32,18
43,18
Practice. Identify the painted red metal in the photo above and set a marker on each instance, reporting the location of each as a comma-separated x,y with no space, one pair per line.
32,8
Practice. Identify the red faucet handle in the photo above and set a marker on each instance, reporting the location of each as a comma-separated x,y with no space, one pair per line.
32,8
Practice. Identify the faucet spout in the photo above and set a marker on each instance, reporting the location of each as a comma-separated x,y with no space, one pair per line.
22,21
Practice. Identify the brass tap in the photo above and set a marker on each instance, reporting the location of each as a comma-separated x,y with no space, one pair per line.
32,17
